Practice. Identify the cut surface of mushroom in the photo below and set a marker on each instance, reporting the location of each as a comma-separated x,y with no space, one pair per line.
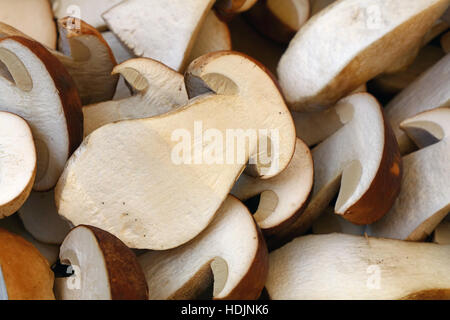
144,27
346,267
428,92
104,268
42,92
282,197
17,163
32,17
41,219
26,272
230,252
362,47
160,90
362,164
424,198
173,187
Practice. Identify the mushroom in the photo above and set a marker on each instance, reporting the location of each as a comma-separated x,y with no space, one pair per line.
283,197
319,5
362,36
104,268
42,92
424,198
363,164
329,222
279,19
445,42
345,267
17,162
41,220
228,9
143,26
32,17
231,253
26,273
441,234
160,90
85,55
428,92
169,198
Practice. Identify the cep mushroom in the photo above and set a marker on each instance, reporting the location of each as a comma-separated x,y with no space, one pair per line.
103,268
143,26
362,36
361,160
17,162
344,267
231,252
424,198
230,8
283,197
441,234
329,222
41,91
188,194
160,90
26,272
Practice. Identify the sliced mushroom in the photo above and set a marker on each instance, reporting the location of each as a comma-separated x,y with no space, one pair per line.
41,219
104,268
32,17
90,11
230,8
279,19
42,92
187,195
231,252
361,161
160,90
26,273
319,5
445,42
86,56
144,27
424,198
428,92
362,37
283,197
441,234
338,266
17,163
329,222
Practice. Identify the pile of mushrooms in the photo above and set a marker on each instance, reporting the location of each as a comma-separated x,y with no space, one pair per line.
221,149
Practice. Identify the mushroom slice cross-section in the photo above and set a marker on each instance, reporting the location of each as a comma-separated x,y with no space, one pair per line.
174,184
230,252
17,163
347,267
40,90
365,37
361,161
159,90
104,268
424,199
283,197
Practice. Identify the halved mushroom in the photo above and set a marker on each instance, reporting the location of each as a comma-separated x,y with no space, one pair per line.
329,222
231,252
338,266
104,268
428,92
169,198
364,37
441,234
143,26
41,91
32,17
230,8
424,198
26,273
361,160
279,19
86,56
90,11
160,90
14,224
41,219
17,163
283,197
